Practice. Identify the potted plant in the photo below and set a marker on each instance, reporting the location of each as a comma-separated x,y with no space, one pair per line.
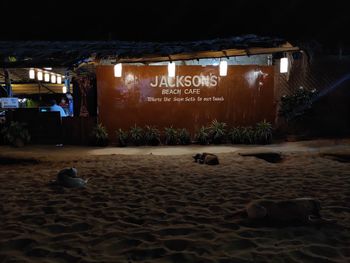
152,135
203,136
136,135
171,136
217,131
99,136
263,132
122,137
184,136
16,134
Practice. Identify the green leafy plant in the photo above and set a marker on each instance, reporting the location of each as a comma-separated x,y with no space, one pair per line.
248,135
122,137
137,135
294,105
16,134
152,135
184,136
236,135
263,132
217,131
203,135
99,135
171,136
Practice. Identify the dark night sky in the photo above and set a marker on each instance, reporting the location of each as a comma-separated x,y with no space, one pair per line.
325,21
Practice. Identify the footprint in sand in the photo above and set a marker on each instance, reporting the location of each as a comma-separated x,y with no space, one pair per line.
38,252
60,228
176,244
17,244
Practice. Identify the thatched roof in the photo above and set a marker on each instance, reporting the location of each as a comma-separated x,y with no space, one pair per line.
67,54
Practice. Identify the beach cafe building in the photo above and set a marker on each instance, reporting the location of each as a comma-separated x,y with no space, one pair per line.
184,85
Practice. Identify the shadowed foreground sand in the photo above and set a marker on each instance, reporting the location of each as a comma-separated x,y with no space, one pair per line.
168,209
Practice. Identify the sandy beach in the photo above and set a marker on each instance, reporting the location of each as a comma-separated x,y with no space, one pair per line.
154,207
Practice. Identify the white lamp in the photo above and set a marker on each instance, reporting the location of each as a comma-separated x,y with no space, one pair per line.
53,78
39,75
64,89
47,77
171,69
59,79
118,70
223,68
284,65
32,74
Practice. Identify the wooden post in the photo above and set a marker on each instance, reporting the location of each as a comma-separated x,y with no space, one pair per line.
67,81
7,82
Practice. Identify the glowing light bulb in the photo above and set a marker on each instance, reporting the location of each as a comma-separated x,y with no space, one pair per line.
32,74
39,76
53,78
47,77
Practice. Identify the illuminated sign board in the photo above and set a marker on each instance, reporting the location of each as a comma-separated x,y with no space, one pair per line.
9,103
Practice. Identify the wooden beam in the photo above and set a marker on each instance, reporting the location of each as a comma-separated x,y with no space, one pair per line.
38,63
207,54
35,88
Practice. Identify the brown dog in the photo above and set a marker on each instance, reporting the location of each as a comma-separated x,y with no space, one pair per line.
304,210
206,158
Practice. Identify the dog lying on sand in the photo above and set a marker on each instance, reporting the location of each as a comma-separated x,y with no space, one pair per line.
300,210
206,158
68,177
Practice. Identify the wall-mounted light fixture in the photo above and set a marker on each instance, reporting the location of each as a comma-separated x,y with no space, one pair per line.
284,65
118,70
171,69
223,68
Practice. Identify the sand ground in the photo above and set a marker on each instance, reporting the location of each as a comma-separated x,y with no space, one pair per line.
162,207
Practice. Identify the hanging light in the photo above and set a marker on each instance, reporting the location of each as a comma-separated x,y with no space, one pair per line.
64,89
53,78
171,69
118,70
223,68
32,74
284,65
59,79
47,77
40,75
